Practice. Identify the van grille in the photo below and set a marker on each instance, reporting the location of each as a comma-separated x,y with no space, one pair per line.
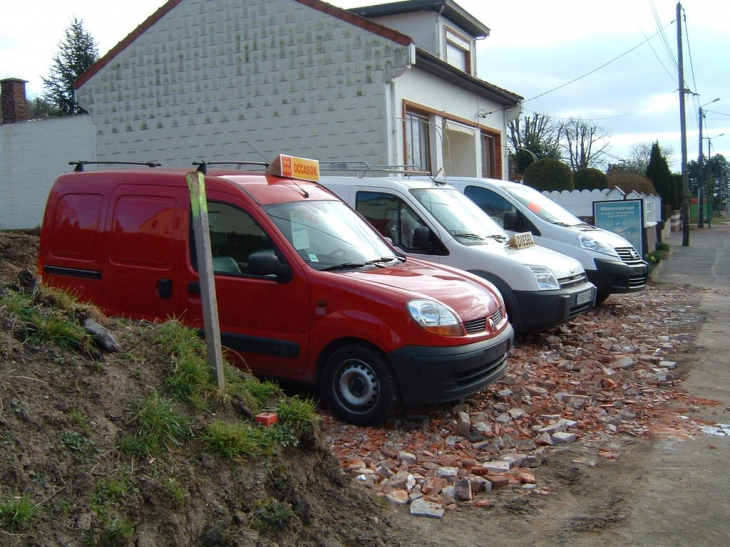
629,255
480,325
572,280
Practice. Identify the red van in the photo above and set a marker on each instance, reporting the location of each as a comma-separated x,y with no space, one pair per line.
307,290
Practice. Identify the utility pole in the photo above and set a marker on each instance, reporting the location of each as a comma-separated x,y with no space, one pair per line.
700,181
683,131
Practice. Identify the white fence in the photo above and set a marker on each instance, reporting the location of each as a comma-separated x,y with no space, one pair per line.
580,202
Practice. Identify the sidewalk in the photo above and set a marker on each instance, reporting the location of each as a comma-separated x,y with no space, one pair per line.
685,498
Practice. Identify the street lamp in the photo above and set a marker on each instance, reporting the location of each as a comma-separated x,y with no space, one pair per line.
709,194
701,175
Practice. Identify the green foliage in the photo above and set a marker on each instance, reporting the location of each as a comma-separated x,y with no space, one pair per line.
271,514
117,532
17,513
77,52
662,179
590,178
549,174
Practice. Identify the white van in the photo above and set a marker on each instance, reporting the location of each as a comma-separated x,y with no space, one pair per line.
435,222
613,265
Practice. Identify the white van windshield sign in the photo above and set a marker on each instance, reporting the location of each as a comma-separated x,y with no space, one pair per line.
522,240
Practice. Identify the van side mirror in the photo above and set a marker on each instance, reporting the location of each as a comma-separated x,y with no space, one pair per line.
267,263
421,238
511,222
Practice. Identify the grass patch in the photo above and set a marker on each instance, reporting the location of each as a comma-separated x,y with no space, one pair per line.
17,513
47,315
158,426
235,441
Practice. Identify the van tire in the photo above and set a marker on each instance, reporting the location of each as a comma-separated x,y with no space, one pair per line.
601,297
358,386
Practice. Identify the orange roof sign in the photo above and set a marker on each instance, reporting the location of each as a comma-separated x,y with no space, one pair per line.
293,167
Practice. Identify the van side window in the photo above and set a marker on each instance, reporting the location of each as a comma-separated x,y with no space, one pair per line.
234,236
389,215
491,203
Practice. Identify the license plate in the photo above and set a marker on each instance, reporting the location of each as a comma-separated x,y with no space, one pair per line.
584,297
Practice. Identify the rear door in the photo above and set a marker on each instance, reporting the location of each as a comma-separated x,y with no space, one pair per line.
144,250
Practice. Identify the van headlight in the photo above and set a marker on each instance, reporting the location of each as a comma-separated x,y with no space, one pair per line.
435,317
590,244
546,280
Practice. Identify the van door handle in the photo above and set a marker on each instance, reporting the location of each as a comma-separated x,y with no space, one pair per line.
164,288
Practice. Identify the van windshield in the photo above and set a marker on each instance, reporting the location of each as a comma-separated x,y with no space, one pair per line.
459,216
543,206
329,235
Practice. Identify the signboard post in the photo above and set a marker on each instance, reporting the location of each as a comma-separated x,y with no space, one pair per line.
625,218
199,208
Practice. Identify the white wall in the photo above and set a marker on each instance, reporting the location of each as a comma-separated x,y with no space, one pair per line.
32,155
232,80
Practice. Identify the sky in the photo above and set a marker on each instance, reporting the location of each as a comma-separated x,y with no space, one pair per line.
611,63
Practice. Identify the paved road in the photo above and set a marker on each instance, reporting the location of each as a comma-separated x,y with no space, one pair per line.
685,498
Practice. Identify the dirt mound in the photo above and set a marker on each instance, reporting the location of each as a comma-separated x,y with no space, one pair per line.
65,481
18,250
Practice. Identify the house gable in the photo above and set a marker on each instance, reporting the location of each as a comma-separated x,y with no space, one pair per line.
226,78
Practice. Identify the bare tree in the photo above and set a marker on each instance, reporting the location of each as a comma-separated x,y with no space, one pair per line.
533,138
585,145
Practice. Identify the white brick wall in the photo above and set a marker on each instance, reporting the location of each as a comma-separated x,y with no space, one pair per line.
222,79
32,155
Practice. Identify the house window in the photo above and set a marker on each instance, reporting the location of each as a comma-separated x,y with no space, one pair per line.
458,51
489,154
418,145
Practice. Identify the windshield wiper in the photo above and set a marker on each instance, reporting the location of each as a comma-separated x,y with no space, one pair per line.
467,235
498,237
383,260
344,266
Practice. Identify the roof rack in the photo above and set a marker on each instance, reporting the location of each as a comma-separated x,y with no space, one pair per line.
80,164
361,168
203,165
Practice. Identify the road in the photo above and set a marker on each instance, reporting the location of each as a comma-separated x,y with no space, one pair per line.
684,499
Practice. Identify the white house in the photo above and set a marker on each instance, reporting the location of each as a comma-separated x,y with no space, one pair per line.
234,80
391,84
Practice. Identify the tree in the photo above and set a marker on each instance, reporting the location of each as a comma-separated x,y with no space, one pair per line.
549,174
590,178
76,55
658,173
585,145
531,139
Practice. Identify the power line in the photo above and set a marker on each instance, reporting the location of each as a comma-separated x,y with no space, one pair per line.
597,68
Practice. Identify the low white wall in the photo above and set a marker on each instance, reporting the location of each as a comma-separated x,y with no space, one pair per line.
32,155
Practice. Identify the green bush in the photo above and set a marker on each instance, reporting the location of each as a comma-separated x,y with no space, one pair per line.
548,174
590,179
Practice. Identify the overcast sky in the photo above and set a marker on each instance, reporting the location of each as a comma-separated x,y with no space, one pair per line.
612,63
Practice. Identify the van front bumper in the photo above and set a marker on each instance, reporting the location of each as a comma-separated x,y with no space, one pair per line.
427,374
617,277
541,310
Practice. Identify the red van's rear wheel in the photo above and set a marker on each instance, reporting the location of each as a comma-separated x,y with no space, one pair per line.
358,386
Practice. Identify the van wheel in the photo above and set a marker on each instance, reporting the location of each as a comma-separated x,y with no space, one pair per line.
601,297
358,386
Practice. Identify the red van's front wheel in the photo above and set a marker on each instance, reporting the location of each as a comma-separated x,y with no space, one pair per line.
358,386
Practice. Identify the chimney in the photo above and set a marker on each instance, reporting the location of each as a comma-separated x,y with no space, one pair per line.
14,104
